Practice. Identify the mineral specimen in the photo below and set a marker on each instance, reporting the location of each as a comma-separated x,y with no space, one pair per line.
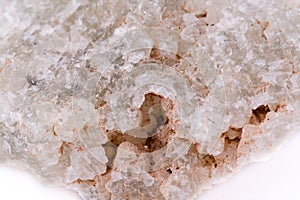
153,99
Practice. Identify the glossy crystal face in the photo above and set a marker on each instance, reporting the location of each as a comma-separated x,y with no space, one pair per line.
146,99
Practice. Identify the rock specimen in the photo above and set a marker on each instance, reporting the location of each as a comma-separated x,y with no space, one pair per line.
146,99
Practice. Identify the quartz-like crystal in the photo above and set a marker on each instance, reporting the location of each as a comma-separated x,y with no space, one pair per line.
151,99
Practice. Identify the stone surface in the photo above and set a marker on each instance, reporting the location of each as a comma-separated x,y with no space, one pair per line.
146,99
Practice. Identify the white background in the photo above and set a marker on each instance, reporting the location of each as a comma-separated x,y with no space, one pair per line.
276,179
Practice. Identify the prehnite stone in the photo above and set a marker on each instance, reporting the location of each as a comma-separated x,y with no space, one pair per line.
155,99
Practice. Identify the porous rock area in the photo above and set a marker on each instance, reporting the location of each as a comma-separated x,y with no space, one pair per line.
148,99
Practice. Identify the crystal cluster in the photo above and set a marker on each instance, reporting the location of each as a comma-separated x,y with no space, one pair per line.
153,99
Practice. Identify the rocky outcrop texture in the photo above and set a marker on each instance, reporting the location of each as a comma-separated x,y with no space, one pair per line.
146,99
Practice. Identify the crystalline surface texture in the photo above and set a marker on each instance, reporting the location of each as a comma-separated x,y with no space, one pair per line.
154,99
